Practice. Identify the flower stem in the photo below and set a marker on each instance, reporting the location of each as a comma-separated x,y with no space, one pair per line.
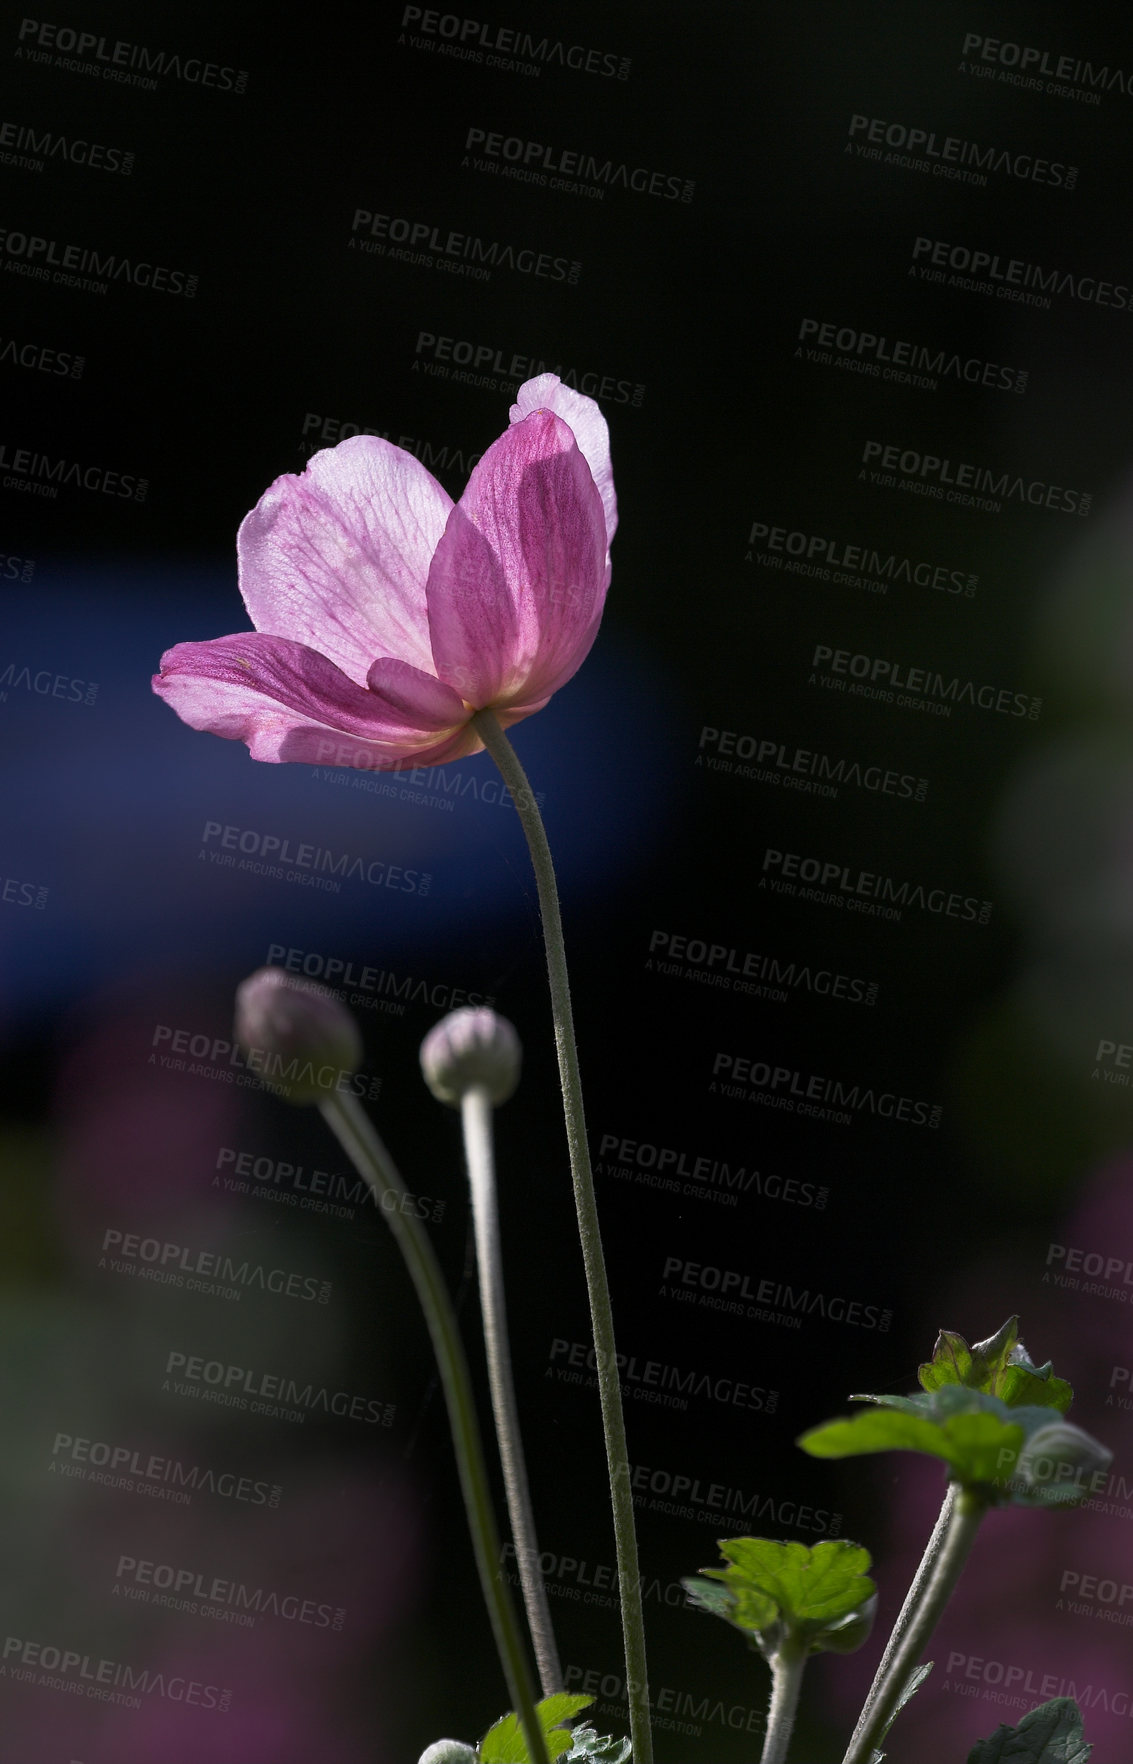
935,1589
476,1120
359,1139
787,1667
613,1424
904,1616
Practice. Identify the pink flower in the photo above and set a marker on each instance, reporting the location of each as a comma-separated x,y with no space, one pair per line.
386,614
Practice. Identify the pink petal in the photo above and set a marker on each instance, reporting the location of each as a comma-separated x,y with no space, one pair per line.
421,698
337,559
518,581
289,702
586,422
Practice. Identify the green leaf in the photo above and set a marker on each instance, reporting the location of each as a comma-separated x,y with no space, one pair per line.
597,1748
999,1367
752,1613
1021,1453
504,1743
1051,1734
912,1685
816,1593
977,1446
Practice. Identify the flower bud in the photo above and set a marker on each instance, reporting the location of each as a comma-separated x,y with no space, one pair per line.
471,1046
1057,1465
447,1752
301,1040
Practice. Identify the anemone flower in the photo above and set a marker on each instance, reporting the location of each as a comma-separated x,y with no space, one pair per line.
386,615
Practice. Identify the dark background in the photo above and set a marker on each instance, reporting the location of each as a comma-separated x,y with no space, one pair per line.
685,317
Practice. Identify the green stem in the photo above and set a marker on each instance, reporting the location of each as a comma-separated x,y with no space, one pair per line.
476,1120
787,1669
937,1586
359,1139
625,1539
904,1616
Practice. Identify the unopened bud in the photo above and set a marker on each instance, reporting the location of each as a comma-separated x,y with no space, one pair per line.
301,1040
471,1046
447,1752
1056,1465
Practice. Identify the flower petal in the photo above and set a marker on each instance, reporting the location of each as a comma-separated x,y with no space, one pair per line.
585,420
337,559
518,581
289,702
421,698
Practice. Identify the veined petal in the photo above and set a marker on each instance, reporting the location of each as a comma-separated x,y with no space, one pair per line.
288,702
421,698
518,581
587,424
338,557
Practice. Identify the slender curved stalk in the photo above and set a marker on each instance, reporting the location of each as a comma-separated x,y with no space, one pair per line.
786,1681
904,1615
360,1141
963,1523
476,1120
492,735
